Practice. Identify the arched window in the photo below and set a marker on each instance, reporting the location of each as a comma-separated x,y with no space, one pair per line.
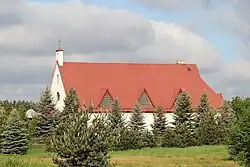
58,96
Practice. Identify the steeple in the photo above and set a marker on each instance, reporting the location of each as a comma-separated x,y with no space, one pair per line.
59,54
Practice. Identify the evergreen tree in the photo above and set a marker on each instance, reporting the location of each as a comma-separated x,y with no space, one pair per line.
159,125
71,105
239,140
183,121
137,128
14,138
136,122
202,115
226,120
81,145
204,105
209,129
183,108
117,127
47,115
3,118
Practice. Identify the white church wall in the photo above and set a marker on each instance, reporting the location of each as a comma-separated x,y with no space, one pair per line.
149,118
58,87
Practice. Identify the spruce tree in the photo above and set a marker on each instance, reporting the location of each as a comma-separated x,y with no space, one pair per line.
81,145
209,130
14,138
136,122
226,120
47,115
137,128
183,108
239,140
3,118
202,115
183,121
117,127
159,125
71,105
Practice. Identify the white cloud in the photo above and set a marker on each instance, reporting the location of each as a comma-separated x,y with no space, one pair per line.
92,33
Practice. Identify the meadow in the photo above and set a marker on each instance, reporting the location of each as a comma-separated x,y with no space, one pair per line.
205,156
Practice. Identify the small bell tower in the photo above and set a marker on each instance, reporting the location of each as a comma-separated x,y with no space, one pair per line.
59,54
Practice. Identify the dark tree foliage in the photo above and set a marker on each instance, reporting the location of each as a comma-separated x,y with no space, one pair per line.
117,130
183,121
3,119
137,128
72,105
225,121
240,105
81,145
210,133
136,122
20,105
169,138
201,119
159,125
47,115
183,107
14,138
239,140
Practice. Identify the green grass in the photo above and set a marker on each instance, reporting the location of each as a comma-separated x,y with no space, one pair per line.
206,156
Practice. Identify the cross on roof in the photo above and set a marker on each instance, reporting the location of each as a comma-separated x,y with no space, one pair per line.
59,43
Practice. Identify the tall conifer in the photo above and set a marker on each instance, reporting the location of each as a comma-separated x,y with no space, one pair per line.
47,115
183,121
159,125
14,138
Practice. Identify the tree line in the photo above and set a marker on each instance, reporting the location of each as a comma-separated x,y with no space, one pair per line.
78,140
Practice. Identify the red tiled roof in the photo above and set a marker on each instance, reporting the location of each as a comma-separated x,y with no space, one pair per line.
126,81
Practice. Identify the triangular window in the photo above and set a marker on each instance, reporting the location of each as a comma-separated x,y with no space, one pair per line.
144,100
107,100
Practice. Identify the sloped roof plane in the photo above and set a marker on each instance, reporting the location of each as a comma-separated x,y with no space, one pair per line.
126,81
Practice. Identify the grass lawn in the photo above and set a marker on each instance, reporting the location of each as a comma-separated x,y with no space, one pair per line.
206,156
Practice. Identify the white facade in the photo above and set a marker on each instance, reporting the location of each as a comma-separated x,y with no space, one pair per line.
59,57
59,94
148,118
57,89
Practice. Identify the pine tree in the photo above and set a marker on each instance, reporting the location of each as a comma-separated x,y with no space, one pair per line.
204,105
159,125
209,130
225,121
117,127
183,120
239,140
47,115
202,113
136,122
14,139
71,105
183,108
3,117
81,145
137,128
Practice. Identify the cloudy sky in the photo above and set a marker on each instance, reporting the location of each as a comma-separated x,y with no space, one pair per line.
214,34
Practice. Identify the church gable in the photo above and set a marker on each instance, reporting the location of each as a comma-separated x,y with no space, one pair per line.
144,100
107,100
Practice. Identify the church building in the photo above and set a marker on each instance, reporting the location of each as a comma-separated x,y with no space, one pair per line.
149,85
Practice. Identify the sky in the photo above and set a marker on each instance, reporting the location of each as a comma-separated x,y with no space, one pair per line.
214,34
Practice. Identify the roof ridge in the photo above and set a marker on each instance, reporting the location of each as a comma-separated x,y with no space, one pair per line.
128,63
